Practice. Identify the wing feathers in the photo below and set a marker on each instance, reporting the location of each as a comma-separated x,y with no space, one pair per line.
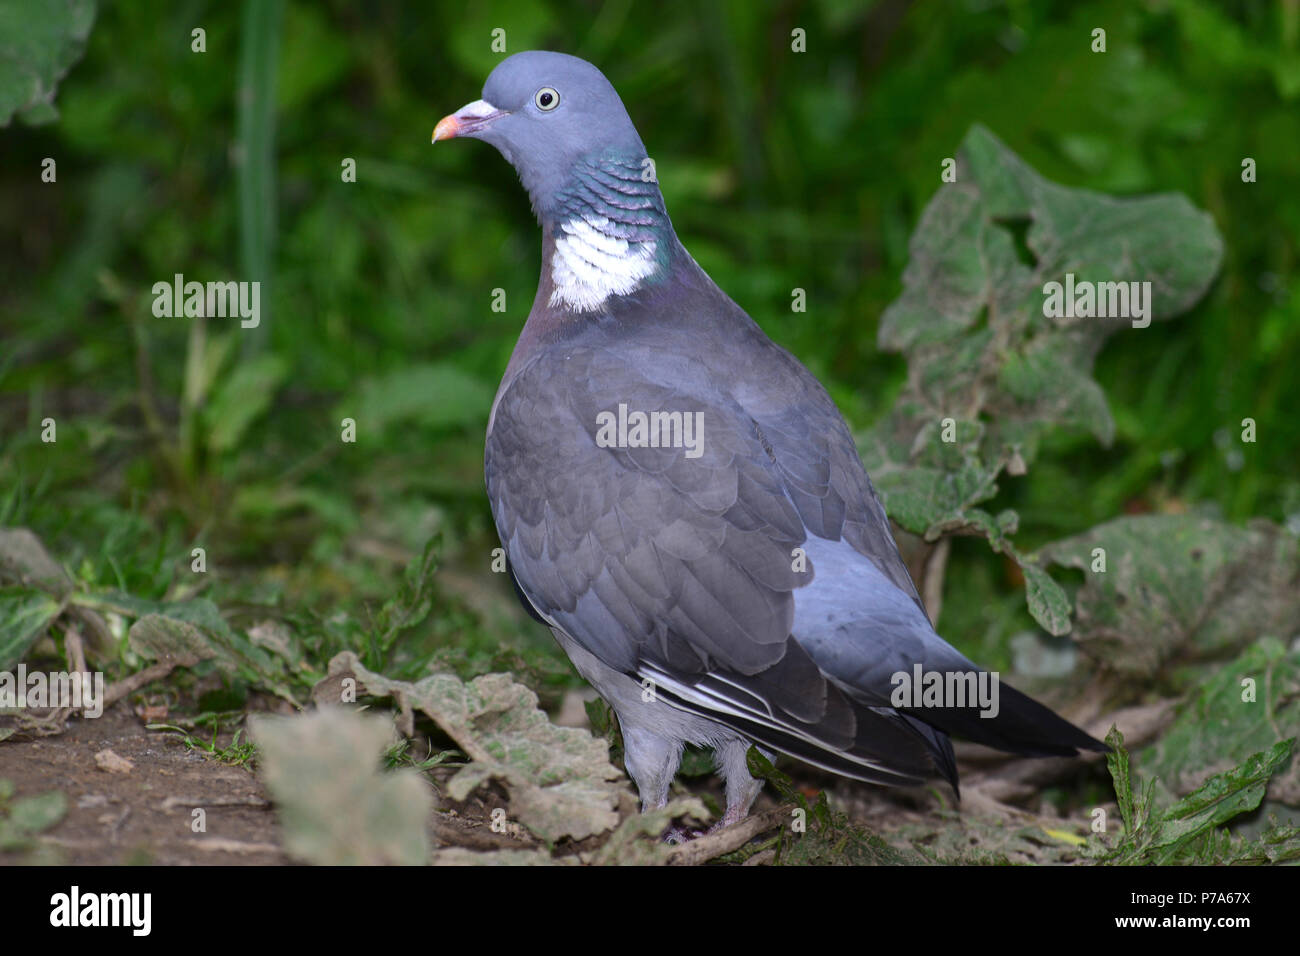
679,567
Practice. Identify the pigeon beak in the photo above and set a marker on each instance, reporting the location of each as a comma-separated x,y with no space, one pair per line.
468,120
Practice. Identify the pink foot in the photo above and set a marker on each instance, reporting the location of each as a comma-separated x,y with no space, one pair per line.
678,835
733,816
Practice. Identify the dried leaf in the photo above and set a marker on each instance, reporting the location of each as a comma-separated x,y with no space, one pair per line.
336,806
560,780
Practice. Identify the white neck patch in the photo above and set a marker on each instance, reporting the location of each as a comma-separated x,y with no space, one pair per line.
590,264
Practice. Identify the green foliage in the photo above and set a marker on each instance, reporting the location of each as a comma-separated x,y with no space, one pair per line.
184,633
40,40
25,615
23,817
407,608
259,48
828,837
1190,831
1166,587
237,753
433,395
1237,709
242,398
604,724
32,587
984,360
399,755
637,841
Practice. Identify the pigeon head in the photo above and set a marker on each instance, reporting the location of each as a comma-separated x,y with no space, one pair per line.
560,123
548,114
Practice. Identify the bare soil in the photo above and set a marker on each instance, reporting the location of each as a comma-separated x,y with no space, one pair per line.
144,814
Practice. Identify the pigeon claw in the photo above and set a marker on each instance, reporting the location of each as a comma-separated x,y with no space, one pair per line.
675,836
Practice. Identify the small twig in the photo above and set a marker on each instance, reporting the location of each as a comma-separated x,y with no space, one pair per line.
189,803
726,840
466,835
406,716
751,850
222,845
74,651
129,685
932,578
117,824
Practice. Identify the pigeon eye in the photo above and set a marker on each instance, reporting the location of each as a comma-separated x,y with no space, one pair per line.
547,99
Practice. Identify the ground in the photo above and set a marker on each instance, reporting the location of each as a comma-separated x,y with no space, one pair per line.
131,794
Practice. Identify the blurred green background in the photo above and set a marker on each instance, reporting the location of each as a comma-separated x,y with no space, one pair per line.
780,169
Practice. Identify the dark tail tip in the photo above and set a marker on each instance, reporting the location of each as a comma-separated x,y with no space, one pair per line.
1023,726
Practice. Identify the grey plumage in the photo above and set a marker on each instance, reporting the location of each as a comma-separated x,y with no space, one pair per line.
654,565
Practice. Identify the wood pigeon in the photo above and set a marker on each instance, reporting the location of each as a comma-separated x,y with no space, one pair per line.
681,501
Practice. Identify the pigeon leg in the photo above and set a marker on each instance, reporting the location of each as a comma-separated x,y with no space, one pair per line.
742,789
652,760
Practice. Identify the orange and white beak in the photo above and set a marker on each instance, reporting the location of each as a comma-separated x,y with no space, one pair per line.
468,120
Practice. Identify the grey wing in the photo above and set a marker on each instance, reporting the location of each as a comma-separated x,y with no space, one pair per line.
680,568
819,465
862,619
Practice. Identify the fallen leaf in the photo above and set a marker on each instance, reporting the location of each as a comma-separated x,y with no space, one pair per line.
560,780
336,806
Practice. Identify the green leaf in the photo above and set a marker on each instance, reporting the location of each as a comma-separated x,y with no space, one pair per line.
409,606
1236,709
434,395
170,640
459,856
1189,830
336,806
1118,763
40,812
27,816
186,632
40,40
637,840
25,615
260,41
1047,602
989,373
1223,796
1179,586
241,399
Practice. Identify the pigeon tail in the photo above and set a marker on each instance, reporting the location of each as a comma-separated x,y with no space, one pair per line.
1022,726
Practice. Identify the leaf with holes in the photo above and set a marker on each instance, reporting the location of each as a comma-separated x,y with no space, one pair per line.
989,374
1179,586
